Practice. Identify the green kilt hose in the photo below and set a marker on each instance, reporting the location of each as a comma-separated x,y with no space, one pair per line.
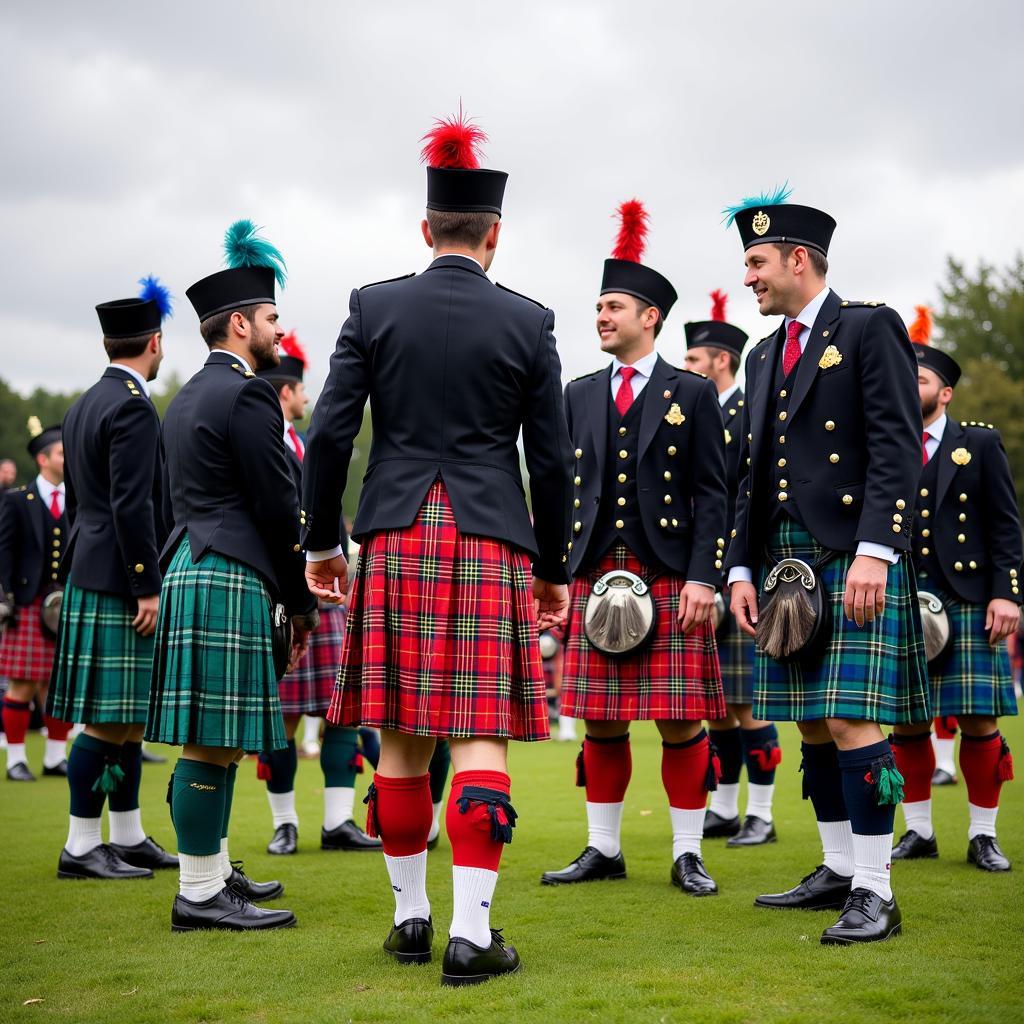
874,673
213,668
736,659
972,677
103,667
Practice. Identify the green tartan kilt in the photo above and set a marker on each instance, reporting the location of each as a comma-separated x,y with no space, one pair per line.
972,678
213,667
102,668
736,658
874,673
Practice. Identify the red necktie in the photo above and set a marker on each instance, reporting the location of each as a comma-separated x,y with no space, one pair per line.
55,505
624,396
925,438
791,353
293,434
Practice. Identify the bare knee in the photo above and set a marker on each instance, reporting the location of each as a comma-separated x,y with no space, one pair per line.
487,754
915,729
978,725
745,714
730,721
606,730
678,732
815,732
21,690
849,734
110,732
403,756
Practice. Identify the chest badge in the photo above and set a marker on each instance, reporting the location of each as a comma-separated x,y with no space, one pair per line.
830,357
961,456
675,415
728,436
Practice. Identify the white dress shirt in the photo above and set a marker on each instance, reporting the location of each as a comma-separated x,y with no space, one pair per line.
46,490
143,383
288,429
644,367
724,397
935,432
461,255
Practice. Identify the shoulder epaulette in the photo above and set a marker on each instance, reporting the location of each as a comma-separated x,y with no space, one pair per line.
238,367
520,295
696,373
851,303
584,376
373,284
132,387
16,490
975,423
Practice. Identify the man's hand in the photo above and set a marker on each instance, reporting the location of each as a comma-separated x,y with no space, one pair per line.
743,605
550,603
864,598
696,603
329,579
300,639
144,622
1002,619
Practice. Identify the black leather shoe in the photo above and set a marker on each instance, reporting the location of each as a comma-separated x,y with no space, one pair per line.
285,841
590,866
940,777
347,836
229,911
912,847
410,941
20,772
148,758
822,889
717,827
690,875
984,852
755,832
866,917
99,862
254,892
147,854
465,963
60,769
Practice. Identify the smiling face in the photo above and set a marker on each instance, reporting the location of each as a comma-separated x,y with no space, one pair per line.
773,280
265,335
625,326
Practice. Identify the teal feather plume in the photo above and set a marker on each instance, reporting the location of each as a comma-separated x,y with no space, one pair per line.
243,247
780,195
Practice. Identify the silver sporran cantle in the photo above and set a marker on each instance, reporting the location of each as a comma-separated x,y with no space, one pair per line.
49,612
620,616
936,625
719,612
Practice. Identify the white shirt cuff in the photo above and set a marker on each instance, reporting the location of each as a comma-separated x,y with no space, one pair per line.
740,574
322,556
883,551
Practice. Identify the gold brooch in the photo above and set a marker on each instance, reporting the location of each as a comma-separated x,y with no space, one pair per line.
830,357
728,436
675,415
961,456
761,223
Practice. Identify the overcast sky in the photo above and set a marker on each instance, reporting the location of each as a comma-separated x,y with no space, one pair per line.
135,133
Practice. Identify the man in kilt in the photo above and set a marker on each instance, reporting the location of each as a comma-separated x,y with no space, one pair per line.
830,428
232,553
307,688
33,529
104,661
650,497
442,630
968,555
714,348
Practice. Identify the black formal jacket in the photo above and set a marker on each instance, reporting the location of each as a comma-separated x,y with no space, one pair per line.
968,529
454,367
113,474
228,478
732,418
681,461
852,434
31,542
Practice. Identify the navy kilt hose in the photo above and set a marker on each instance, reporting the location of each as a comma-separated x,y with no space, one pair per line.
874,673
736,659
26,652
674,676
972,678
103,667
308,688
442,636
213,667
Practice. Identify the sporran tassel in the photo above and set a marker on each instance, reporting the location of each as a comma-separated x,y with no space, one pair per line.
372,826
1005,767
786,623
110,778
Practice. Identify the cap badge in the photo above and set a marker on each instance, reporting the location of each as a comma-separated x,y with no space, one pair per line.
761,223
961,456
830,357
675,415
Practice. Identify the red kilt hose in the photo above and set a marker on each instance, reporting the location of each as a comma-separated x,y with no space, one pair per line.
26,652
674,676
308,688
442,636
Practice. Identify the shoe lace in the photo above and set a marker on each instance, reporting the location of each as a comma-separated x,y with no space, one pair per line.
811,874
859,899
237,866
234,896
497,937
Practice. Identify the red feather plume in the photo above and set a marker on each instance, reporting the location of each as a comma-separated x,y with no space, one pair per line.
920,330
632,237
291,347
453,143
718,301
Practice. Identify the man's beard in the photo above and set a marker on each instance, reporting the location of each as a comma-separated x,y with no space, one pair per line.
264,351
928,406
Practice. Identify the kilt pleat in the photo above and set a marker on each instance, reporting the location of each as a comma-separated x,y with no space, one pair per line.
102,668
674,676
972,678
736,659
874,673
441,637
26,652
308,688
213,667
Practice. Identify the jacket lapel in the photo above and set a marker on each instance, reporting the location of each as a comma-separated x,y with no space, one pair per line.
759,396
38,523
951,438
656,405
597,413
823,333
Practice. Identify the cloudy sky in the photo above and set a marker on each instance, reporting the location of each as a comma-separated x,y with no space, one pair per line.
134,133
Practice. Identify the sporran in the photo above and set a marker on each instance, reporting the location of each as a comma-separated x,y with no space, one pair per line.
936,625
620,616
49,613
794,612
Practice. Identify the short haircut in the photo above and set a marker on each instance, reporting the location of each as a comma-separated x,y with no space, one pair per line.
215,328
642,305
447,228
818,259
127,348
734,360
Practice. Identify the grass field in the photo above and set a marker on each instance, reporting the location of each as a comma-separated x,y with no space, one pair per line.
636,950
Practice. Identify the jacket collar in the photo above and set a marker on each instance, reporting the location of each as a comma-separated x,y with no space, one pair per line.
452,261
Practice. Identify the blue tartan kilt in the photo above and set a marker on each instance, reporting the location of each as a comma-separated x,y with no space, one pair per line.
972,677
875,673
736,658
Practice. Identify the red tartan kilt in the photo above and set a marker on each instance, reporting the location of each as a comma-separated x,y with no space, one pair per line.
673,677
442,637
25,651
308,688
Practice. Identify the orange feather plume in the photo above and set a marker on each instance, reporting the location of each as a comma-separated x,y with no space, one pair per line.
920,330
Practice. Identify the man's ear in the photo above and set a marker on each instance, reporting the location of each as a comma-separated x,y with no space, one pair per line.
427,236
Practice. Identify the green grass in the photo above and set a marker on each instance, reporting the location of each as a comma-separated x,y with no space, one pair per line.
633,951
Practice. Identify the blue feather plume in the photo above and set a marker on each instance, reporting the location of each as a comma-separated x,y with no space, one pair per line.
154,291
780,195
243,247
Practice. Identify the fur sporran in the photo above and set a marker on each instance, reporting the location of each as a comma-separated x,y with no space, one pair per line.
936,625
794,612
49,612
620,616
